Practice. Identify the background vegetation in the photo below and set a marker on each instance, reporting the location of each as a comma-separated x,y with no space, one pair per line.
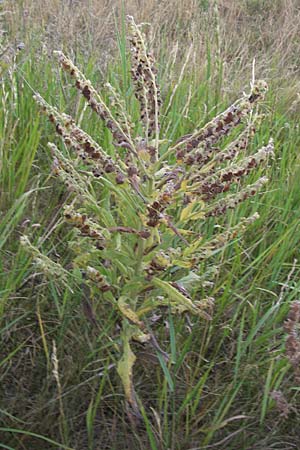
233,384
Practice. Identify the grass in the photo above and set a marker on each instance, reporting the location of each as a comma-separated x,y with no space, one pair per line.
217,389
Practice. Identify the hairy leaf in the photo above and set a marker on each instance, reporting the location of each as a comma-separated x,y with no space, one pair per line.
125,367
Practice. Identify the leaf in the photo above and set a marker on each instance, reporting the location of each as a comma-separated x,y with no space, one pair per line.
132,288
172,338
197,215
125,367
186,232
191,249
150,304
183,185
166,371
186,212
149,427
224,423
189,281
184,303
128,312
184,264
141,337
174,294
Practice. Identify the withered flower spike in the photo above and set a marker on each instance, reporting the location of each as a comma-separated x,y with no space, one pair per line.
76,139
86,226
291,327
143,74
96,277
232,201
96,102
222,124
220,181
144,234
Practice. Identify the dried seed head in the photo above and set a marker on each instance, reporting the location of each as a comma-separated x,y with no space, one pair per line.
143,73
120,133
232,201
96,277
86,226
50,268
221,125
281,403
291,327
76,139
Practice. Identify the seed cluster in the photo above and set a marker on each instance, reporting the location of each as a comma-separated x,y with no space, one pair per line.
291,327
196,148
156,209
221,239
221,180
235,147
79,141
144,75
67,171
96,277
86,226
162,261
95,102
231,201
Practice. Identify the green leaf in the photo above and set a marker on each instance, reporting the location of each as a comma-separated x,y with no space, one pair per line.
128,312
139,336
179,298
172,338
166,371
125,367
186,212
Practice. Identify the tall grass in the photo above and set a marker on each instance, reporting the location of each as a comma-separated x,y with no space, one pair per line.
218,389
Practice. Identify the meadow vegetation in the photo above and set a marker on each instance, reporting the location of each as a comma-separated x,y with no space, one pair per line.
113,241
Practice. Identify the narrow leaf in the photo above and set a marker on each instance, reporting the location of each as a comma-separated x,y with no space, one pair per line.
128,312
125,367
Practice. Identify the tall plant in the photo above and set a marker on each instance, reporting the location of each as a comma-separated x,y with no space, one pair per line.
138,210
